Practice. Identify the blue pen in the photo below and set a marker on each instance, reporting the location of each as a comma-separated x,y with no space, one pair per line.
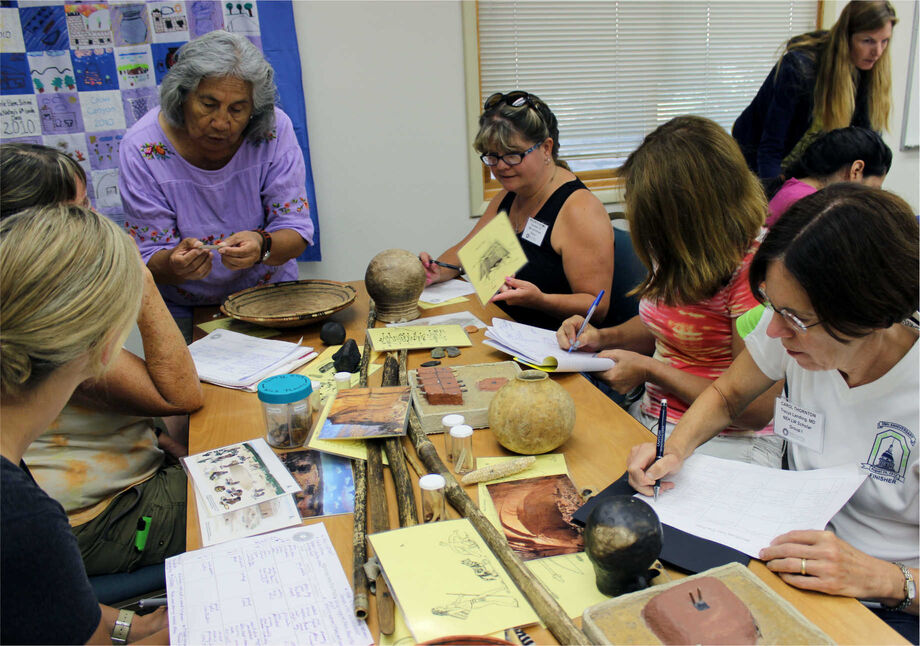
587,318
659,444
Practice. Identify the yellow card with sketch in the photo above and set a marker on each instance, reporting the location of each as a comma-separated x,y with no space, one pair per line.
491,255
417,336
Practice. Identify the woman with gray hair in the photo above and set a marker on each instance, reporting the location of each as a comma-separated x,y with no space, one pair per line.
215,168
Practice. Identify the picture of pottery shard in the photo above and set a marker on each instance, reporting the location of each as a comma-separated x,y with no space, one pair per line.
491,384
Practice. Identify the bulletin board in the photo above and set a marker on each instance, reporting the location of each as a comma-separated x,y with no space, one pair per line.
76,76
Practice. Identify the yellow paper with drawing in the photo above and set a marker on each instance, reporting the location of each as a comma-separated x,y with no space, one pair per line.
568,577
417,336
447,581
491,255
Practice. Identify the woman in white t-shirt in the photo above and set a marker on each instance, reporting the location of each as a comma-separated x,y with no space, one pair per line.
839,276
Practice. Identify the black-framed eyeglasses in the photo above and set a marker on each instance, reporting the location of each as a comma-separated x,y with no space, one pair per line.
791,319
511,159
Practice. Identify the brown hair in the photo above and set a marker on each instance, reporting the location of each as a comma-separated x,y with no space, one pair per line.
533,121
694,209
34,175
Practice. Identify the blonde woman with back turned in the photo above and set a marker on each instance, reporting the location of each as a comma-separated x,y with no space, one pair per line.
65,308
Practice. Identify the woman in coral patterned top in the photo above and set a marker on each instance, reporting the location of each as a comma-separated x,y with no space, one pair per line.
695,213
217,164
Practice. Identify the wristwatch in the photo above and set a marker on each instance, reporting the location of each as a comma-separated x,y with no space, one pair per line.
266,250
122,627
910,590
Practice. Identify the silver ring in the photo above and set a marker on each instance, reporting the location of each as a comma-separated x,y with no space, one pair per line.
804,573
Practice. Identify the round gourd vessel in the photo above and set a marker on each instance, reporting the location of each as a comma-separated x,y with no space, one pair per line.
395,279
532,414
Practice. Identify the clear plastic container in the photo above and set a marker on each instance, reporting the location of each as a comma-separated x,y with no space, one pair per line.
448,422
434,506
342,380
287,409
464,460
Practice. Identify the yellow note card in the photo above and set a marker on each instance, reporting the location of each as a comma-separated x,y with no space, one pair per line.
413,337
243,327
447,581
491,255
428,306
322,373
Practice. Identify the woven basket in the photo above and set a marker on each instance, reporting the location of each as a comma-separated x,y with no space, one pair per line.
289,304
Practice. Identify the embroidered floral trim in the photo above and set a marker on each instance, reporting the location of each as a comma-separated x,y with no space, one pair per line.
144,233
264,140
296,205
155,150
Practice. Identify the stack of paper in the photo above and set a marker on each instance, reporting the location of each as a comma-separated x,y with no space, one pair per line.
241,361
241,490
538,348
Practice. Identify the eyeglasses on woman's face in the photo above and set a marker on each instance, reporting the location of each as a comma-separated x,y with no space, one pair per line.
510,159
791,319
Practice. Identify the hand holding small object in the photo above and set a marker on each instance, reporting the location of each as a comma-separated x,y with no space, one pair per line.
585,322
188,261
241,250
659,445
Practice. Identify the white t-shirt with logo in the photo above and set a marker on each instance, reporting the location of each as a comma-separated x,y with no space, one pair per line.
874,425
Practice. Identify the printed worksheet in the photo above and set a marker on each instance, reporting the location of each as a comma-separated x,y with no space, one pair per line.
463,319
446,291
539,348
287,587
745,506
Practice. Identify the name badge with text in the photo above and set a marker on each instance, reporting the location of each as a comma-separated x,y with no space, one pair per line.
798,425
534,231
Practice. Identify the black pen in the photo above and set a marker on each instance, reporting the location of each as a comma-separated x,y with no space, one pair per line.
151,603
447,265
659,444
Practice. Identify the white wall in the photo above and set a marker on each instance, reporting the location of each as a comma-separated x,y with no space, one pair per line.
384,92
384,88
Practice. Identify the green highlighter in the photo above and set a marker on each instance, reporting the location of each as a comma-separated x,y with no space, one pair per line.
143,529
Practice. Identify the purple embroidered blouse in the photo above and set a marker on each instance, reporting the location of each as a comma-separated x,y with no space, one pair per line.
167,199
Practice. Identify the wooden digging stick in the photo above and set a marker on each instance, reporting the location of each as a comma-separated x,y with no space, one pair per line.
547,608
359,468
405,494
379,522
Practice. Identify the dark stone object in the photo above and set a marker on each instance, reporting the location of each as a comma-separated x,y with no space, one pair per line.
452,351
622,541
438,353
332,333
431,364
347,358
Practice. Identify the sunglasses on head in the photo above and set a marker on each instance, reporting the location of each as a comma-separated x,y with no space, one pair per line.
515,99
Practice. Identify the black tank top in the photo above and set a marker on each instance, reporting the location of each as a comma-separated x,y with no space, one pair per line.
544,266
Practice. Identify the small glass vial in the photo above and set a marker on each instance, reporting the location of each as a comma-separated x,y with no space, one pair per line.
463,446
448,422
434,507
342,380
287,410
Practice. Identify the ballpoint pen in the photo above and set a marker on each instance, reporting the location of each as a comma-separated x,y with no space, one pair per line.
447,265
587,318
659,444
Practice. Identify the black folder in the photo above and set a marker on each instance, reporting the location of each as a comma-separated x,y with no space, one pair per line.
679,549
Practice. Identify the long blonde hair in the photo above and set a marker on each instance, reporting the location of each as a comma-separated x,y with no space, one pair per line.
70,285
836,76
694,209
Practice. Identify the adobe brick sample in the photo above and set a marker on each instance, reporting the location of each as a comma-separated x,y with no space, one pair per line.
700,611
439,385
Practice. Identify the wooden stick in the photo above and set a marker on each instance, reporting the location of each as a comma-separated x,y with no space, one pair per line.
379,522
547,608
359,545
405,495
417,466
359,468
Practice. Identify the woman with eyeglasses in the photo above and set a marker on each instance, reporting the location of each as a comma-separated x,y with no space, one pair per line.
563,228
695,213
839,276
824,80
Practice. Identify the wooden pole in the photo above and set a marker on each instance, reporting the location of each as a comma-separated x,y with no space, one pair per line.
379,522
405,494
546,607
359,468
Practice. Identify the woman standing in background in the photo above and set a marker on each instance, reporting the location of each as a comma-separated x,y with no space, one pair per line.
824,80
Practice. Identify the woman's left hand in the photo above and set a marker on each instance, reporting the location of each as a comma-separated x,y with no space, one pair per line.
628,372
519,292
242,250
831,565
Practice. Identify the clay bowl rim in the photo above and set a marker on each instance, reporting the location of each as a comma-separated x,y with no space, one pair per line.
291,320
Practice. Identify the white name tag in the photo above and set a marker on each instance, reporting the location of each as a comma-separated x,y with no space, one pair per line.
534,231
798,425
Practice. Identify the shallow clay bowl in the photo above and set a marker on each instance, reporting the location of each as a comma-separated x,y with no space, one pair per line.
289,304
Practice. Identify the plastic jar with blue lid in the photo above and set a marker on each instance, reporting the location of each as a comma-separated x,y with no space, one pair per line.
287,410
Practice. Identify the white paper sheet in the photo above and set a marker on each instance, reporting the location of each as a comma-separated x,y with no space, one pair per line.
449,289
255,519
287,587
455,318
237,360
540,348
745,506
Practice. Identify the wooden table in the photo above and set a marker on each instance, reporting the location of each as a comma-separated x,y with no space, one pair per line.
595,455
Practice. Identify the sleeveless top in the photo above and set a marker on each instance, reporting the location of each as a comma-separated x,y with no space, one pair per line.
544,266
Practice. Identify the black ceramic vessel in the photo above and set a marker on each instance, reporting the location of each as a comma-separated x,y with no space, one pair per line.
622,540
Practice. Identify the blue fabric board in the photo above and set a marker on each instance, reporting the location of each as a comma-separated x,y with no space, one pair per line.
277,19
